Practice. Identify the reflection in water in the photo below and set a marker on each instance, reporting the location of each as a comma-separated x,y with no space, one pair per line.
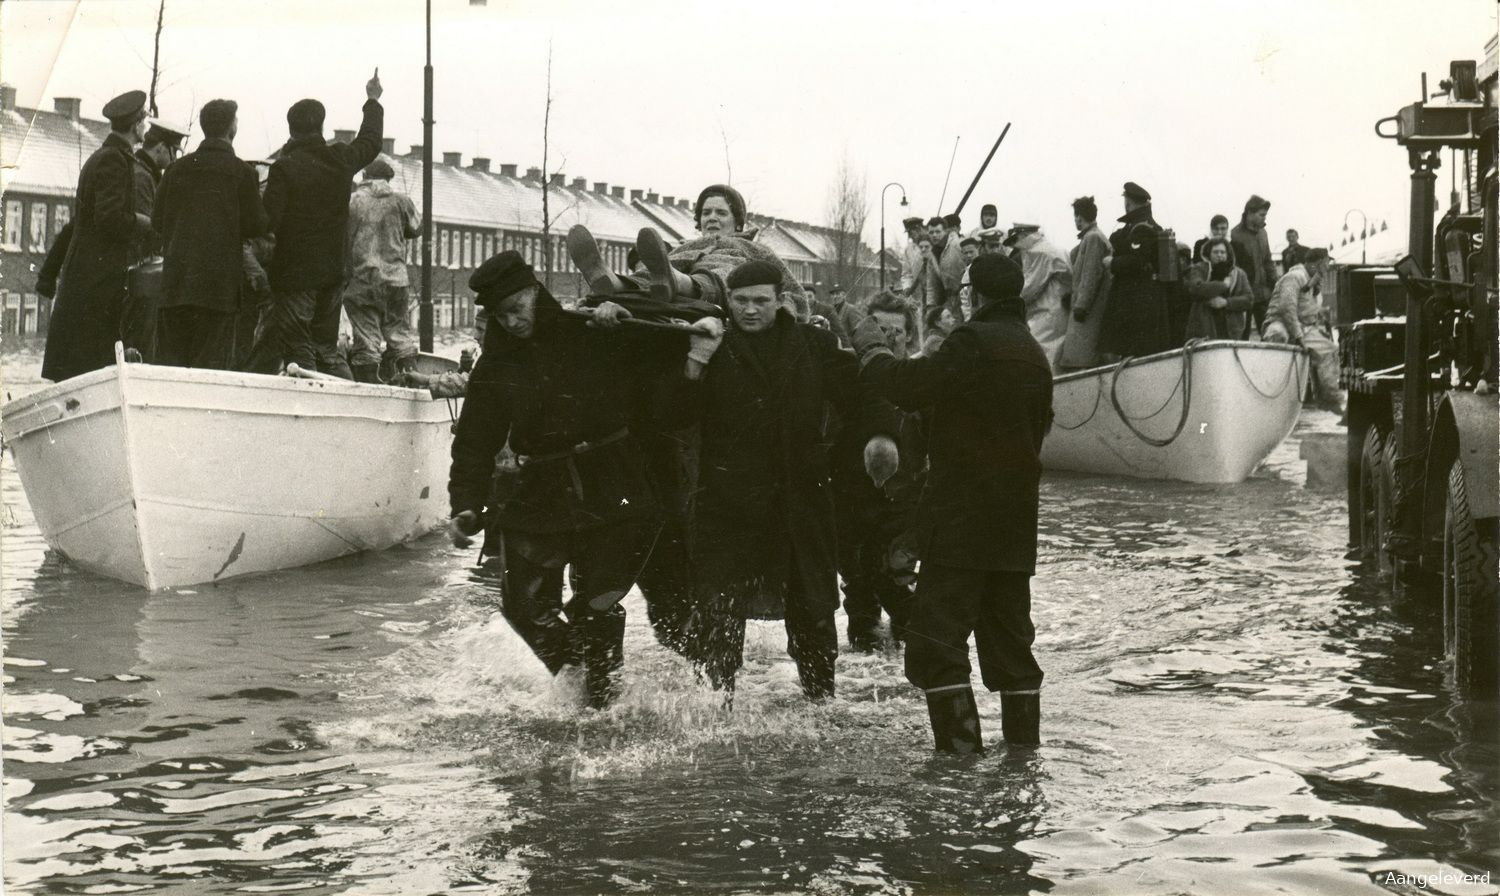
1230,707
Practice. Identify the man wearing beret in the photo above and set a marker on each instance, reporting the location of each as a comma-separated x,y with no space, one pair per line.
988,391
1137,319
208,204
562,396
307,203
376,295
111,225
763,527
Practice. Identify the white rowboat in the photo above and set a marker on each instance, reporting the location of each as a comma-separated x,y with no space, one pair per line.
165,476
1208,412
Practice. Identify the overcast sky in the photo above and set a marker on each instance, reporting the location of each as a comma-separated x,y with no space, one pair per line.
1201,102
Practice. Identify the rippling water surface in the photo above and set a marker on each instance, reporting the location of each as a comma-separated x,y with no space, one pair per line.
1230,707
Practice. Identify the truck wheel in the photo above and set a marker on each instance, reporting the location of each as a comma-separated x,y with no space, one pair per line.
1369,503
1469,591
1386,511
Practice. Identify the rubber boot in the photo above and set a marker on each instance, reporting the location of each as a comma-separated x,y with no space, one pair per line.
366,373
603,652
667,283
955,721
864,633
585,254
407,364
1021,718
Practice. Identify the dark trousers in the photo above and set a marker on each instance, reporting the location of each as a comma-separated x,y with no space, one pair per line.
952,603
188,336
715,636
301,327
605,562
865,532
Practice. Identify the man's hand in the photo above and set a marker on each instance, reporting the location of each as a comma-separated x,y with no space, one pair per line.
373,89
259,281
868,336
608,315
881,459
462,528
410,379
1218,303
701,348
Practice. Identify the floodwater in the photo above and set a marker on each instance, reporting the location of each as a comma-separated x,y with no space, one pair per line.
1231,706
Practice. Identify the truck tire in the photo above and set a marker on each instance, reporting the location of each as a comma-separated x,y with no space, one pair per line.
1470,636
1386,511
1369,502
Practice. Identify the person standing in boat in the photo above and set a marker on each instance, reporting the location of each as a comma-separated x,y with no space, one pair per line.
1296,316
1090,287
1048,282
376,295
110,227
307,202
138,317
988,390
1137,320
562,396
208,204
1221,295
763,543
1252,252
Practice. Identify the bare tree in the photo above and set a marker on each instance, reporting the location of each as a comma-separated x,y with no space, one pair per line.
161,10
547,180
846,212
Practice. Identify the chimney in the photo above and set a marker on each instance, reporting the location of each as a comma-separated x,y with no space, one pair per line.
7,97
533,174
580,183
636,195
653,198
683,203
453,158
70,106
340,136
669,201
557,179
601,188
480,163
617,192
416,151
508,170
388,146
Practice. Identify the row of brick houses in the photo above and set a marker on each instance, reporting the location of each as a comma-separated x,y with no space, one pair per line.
479,209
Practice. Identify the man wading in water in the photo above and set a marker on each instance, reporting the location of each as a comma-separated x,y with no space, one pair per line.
562,395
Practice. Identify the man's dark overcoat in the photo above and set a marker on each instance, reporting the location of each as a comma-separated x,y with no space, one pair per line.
763,495
988,395
106,241
208,203
1137,320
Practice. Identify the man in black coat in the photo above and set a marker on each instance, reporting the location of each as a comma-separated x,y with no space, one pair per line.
763,526
988,390
208,203
138,317
109,228
307,203
1137,320
562,395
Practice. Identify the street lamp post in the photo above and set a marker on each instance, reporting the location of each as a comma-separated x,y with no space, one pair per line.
882,226
424,315
1363,230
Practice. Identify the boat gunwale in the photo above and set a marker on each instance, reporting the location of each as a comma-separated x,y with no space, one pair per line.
1192,348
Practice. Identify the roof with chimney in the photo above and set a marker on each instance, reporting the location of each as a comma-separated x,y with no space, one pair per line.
41,151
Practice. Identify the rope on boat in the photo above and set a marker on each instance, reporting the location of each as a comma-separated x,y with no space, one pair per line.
1291,374
1184,383
1098,394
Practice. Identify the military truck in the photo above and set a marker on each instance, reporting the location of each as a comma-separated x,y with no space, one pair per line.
1417,349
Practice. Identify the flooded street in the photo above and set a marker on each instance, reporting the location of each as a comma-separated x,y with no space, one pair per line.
1231,706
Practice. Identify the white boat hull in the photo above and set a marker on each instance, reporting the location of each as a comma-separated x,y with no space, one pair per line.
165,476
1243,399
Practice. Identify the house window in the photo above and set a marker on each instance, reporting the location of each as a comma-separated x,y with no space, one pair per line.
38,228
445,248
61,215
469,260
10,238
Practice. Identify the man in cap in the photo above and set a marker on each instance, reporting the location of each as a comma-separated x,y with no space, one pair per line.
911,256
764,541
160,147
110,228
1136,318
207,206
376,295
989,218
307,202
1252,252
563,396
1048,282
988,391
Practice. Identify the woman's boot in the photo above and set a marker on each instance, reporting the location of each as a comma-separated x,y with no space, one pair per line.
585,254
667,283
955,720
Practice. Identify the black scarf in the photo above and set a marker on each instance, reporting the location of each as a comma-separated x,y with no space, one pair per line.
1220,270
